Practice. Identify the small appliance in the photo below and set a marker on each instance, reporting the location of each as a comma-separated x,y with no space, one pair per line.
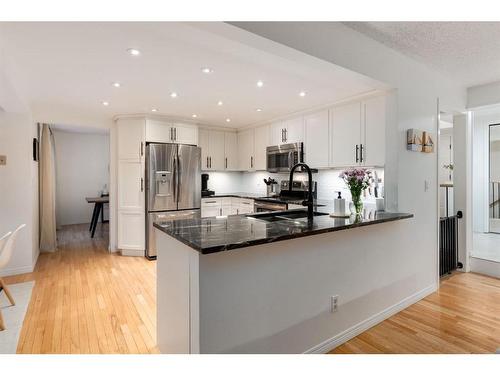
204,186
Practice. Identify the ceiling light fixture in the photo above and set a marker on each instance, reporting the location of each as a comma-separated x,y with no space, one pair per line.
173,95
207,70
302,93
259,110
154,110
260,83
228,120
105,103
133,52
219,103
194,115
116,84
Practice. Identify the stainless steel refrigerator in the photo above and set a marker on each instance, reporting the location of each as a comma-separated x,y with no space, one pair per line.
173,186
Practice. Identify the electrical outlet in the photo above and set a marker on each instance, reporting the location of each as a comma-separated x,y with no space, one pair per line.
3,159
334,300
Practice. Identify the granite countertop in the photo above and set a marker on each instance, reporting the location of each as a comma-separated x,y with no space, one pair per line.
261,197
215,234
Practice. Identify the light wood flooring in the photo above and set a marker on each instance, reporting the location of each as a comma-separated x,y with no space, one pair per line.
86,300
462,317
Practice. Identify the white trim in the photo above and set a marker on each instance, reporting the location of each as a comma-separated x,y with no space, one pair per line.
17,270
331,343
132,252
485,267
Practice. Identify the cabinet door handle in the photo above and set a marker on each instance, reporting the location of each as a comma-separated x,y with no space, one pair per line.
171,134
220,211
251,161
226,163
207,161
142,184
286,135
210,162
282,136
175,134
361,153
357,153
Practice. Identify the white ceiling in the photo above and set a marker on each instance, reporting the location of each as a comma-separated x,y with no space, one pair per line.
468,52
69,67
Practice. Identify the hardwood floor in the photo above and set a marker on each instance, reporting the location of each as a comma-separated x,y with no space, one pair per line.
462,317
86,300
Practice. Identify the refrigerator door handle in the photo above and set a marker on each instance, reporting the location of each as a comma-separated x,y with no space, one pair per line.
177,176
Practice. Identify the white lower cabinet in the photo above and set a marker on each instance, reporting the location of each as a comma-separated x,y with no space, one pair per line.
131,232
226,206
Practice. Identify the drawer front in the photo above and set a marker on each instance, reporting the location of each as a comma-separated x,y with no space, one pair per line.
246,202
211,202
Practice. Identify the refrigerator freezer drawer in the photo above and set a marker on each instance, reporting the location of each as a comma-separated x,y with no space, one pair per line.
154,217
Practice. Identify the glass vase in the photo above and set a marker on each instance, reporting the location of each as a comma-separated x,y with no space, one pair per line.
357,204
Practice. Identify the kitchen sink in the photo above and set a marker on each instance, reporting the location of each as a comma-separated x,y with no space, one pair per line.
284,215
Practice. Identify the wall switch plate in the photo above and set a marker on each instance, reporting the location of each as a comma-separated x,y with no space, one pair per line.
3,160
334,303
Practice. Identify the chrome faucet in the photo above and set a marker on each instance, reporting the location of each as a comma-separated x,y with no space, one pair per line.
309,203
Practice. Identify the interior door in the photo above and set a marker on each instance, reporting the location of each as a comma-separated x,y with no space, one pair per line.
188,174
160,176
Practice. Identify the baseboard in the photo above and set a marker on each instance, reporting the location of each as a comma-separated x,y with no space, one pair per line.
17,270
132,253
485,267
330,344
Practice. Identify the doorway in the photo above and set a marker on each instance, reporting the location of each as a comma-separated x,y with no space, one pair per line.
82,157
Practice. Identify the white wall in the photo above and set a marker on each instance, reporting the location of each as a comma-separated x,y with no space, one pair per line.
82,169
19,178
417,89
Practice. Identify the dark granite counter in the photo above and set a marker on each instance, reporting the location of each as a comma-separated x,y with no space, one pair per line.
215,234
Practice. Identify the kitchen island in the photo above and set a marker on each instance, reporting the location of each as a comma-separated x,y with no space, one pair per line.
263,284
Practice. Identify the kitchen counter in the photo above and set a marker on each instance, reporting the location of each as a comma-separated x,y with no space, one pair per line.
215,234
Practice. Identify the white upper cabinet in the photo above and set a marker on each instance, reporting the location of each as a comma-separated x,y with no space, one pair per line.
167,132
294,130
231,151
216,147
218,150
373,137
317,140
185,134
276,133
261,141
246,150
289,131
345,133
357,132
203,142
130,138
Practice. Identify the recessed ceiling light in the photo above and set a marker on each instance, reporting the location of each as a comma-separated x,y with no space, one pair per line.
302,93
228,120
173,95
207,70
133,52
260,83
194,115
219,103
116,84
259,109
154,110
105,103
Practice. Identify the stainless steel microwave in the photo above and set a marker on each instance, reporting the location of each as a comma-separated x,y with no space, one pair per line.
283,157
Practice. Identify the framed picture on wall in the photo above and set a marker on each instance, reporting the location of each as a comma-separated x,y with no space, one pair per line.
414,138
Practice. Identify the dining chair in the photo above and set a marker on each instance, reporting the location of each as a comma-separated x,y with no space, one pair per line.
5,255
3,241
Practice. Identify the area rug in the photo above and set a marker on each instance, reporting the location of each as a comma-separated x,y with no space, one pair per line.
13,316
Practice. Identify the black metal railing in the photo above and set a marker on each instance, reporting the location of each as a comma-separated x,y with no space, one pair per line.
448,245
494,200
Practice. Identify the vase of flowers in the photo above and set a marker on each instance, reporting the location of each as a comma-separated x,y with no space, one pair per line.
357,180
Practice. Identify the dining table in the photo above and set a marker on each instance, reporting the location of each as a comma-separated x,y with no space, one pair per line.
99,203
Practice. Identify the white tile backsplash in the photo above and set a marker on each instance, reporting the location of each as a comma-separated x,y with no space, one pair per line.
253,182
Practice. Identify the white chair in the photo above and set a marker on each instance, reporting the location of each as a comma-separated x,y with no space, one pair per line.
5,254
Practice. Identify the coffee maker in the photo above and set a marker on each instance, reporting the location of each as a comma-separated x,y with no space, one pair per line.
204,188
